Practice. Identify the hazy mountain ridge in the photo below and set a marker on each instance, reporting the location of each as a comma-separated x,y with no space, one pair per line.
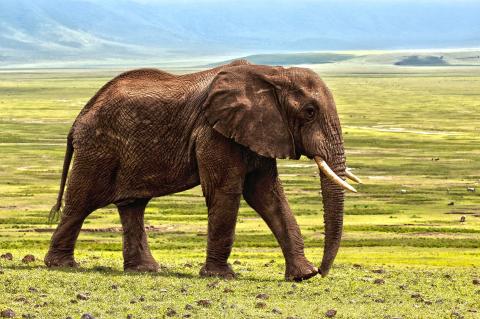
399,58
55,30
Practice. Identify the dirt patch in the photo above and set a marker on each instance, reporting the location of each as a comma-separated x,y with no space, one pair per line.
435,235
465,211
380,128
164,229
428,225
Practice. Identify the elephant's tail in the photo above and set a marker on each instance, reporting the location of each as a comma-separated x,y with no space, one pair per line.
57,208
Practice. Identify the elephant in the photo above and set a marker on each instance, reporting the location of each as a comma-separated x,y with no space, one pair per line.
148,133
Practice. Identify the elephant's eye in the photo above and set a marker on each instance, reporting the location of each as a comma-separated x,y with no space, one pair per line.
309,111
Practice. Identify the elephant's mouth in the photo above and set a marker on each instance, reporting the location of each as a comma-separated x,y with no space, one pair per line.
333,189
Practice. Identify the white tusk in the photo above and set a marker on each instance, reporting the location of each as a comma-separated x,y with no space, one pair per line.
352,176
323,166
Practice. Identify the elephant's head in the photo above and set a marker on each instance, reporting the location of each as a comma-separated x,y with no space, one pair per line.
280,113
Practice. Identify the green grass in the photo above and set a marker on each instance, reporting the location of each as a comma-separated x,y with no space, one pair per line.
413,136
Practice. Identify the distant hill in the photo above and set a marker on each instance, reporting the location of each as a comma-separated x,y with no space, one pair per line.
293,58
111,30
399,58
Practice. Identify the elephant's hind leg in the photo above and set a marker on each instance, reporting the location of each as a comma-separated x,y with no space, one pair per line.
89,188
61,251
136,254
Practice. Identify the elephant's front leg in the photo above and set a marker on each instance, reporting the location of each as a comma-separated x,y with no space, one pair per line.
222,171
264,193
222,217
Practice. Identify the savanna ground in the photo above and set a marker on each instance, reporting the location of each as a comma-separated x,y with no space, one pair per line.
412,134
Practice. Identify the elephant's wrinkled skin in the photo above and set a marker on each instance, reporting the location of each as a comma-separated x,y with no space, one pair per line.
148,133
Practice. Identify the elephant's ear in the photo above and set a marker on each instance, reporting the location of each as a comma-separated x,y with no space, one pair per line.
242,104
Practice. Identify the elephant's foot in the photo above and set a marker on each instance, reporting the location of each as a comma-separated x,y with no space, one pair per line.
53,260
143,265
213,270
300,269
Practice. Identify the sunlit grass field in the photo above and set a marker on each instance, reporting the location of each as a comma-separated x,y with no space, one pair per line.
412,134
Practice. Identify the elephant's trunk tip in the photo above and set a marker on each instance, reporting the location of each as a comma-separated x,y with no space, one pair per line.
324,268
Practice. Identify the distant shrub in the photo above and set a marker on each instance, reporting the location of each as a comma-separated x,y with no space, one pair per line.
415,60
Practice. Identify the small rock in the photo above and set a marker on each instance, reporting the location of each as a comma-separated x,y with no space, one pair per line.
82,297
476,281
378,271
261,305
170,312
227,290
163,290
129,316
213,284
114,287
133,301
188,307
188,265
237,262
262,296
20,299
204,303
7,313
471,189
142,298
330,313
28,259
379,300
463,218
428,302
457,315
102,268
416,295
403,191
379,281
87,316
357,266
276,311
270,263
451,203
7,256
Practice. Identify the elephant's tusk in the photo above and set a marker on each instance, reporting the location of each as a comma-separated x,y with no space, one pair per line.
323,166
351,176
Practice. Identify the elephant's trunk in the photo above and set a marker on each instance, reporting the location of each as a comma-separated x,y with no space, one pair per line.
333,194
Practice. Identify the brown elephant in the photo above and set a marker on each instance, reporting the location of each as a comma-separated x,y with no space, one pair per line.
148,133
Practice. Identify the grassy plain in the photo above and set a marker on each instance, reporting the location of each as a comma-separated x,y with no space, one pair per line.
413,134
